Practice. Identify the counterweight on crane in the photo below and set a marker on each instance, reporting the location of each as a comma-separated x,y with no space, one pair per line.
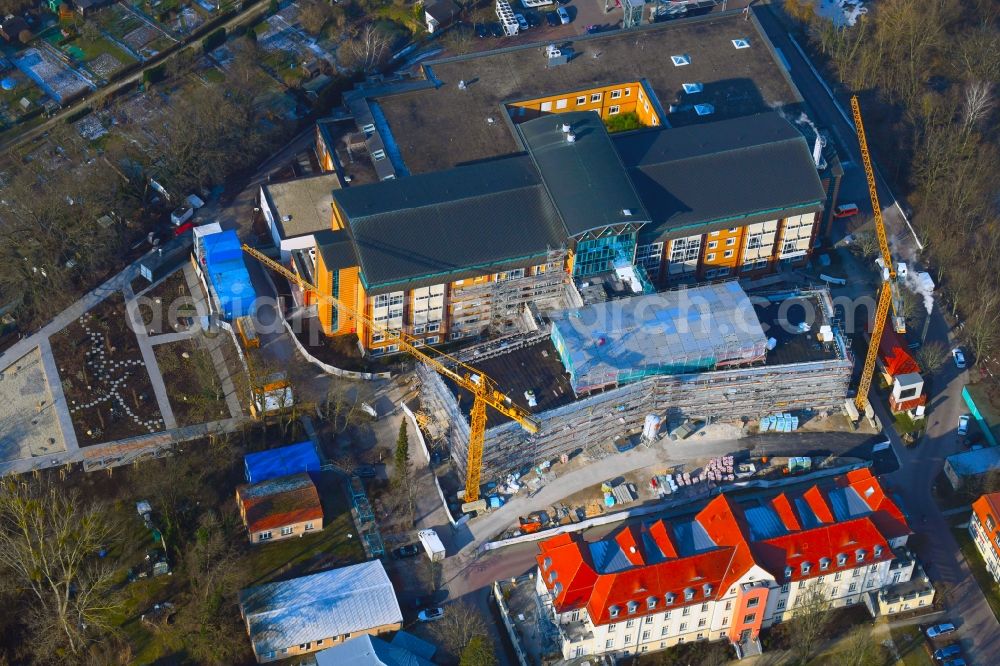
888,294
483,389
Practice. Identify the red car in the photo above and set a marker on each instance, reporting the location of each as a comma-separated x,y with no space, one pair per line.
180,229
846,210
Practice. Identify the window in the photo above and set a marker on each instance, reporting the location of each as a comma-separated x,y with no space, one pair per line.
729,605
645,635
837,576
714,233
680,60
741,43
701,622
710,256
781,604
704,608
725,620
434,327
304,646
666,616
824,563
686,611
870,583
320,641
417,330
802,585
630,624
611,627
989,523
784,588
649,619
730,241
728,254
561,104
734,230
613,612
701,637
614,110
852,588
595,97
615,94
628,639
378,337
713,244
582,99
628,92
264,536
688,595
692,88
457,335
308,527
632,607
546,106
752,603
684,626
874,568
610,643
834,592
378,155
433,340
663,632
749,618
857,572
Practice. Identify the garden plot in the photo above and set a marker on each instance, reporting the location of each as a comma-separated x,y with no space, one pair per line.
58,80
29,423
104,378
194,387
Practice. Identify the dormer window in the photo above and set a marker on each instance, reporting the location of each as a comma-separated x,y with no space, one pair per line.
552,576
632,606
841,559
788,572
669,599
613,611
557,588
706,589
805,568
824,563
859,555
547,562
651,602
688,594
878,551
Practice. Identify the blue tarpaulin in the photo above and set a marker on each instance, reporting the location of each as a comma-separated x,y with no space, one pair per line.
228,275
282,461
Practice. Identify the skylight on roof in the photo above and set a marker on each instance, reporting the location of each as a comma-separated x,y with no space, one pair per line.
741,43
692,88
704,109
681,60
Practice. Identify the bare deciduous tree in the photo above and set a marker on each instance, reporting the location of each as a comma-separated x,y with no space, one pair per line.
977,103
461,623
932,356
49,545
366,50
811,617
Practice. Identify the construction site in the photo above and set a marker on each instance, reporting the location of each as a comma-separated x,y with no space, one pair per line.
594,374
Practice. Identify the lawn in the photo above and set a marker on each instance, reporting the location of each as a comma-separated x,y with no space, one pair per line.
323,550
93,49
983,577
192,382
910,646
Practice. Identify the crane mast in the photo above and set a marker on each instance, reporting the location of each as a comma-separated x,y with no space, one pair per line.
483,389
889,295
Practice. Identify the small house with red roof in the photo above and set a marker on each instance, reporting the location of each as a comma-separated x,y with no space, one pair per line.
279,508
984,527
727,571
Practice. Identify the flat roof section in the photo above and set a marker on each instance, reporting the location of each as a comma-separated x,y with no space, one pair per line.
782,319
302,206
441,126
673,332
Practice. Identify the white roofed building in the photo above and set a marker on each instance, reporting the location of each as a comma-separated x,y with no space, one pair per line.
318,611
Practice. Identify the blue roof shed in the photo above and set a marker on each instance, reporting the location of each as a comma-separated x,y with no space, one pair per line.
228,275
282,461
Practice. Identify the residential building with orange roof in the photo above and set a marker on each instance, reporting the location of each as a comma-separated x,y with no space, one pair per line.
984,526
729,570
280,508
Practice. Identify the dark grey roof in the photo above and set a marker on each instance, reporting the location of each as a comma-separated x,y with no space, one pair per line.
732,172
450,224
585,177
336,249
442,10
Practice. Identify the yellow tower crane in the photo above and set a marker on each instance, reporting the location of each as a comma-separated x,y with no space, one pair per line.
483,389
889,292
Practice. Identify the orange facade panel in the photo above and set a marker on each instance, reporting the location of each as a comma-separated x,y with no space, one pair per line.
631,97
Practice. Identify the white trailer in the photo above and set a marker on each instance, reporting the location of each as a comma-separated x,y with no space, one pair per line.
432,544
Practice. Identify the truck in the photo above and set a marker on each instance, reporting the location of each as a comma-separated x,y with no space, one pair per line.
432,544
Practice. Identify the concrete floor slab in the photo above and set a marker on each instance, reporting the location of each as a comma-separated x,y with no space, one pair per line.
29,420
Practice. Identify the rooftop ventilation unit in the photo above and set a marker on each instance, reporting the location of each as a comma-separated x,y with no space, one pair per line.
461,85
571,138
692,88
552,51
506,16
681,60
704,109
565,128
741,43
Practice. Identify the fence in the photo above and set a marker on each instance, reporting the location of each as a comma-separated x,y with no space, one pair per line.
329,369
427,456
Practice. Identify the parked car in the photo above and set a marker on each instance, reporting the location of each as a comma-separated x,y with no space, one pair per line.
552,19
593,29
409,550
963,424
563,15
846,210
948,652
955,662
481,30
496,29
940,629
959,357
430,614
522,23
365,471
534,20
